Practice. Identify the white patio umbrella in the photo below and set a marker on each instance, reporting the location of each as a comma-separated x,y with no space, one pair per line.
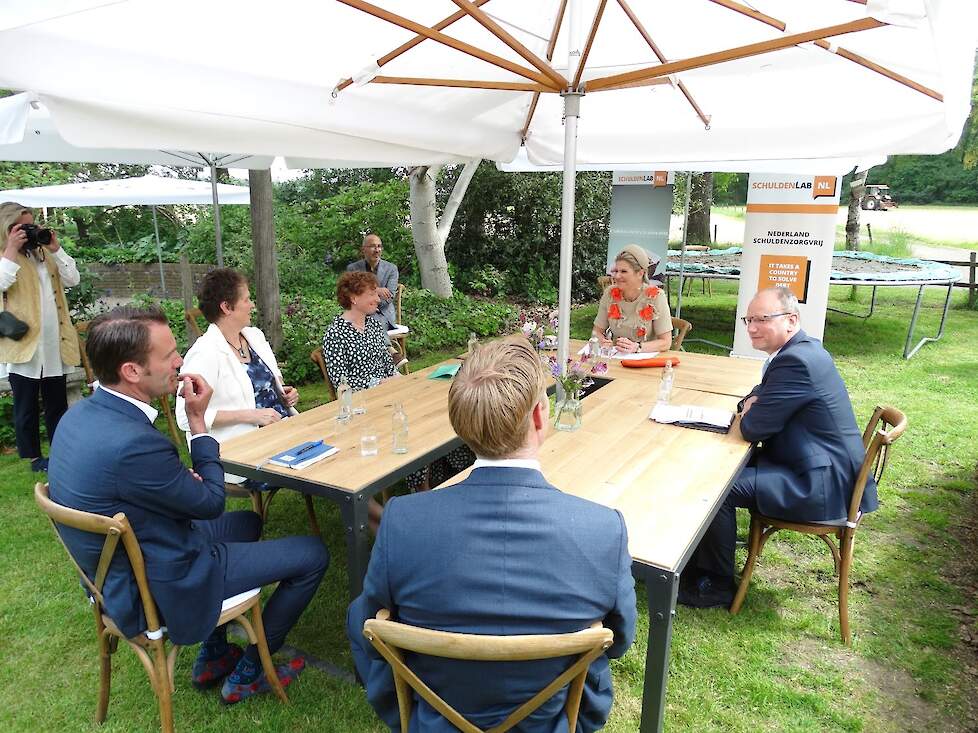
27,133
401,82
138,191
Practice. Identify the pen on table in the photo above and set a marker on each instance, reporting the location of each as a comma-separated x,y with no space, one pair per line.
309,447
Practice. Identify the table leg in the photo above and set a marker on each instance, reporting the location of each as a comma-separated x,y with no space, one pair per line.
662,587
354,514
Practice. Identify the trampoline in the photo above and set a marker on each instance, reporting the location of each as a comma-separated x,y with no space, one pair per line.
848,268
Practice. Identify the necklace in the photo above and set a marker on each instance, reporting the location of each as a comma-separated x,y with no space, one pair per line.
239,348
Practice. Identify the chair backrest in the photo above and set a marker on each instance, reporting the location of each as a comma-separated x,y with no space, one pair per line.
316,355
81,328
114,529
397,306
680,327
883,429
191,315
389,638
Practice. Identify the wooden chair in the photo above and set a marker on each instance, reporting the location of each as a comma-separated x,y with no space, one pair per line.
680,328
877,439
193,325
81,327
401,339
151,645
316,355
390,638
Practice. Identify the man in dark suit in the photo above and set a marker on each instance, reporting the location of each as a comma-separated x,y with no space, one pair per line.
502,552
387,276
810,447
107,457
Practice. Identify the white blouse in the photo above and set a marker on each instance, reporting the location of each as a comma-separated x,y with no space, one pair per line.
46,361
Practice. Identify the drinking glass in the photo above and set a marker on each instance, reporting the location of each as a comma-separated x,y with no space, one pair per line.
368,444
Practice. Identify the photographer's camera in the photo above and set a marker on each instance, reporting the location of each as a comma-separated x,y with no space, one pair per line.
36,236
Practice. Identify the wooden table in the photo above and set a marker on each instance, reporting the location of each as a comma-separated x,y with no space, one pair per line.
347,478
668,482
702,372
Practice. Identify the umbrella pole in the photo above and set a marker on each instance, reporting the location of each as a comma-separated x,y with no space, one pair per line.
682,252
159,254
217,217
572,109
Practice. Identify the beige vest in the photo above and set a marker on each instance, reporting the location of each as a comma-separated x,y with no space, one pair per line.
23,299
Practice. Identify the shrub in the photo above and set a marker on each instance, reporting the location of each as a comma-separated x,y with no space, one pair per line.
438,323
7,435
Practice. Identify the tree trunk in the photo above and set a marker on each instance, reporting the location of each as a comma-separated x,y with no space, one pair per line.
263,249
856,188
700,203
82,225
428,233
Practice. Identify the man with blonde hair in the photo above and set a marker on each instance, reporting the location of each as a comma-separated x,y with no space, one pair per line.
502,552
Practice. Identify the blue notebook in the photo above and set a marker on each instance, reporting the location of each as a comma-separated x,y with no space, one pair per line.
304,454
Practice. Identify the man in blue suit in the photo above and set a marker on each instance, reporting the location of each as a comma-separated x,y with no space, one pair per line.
107,457
810,447
503,552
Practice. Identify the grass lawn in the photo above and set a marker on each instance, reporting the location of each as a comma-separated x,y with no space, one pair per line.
778,665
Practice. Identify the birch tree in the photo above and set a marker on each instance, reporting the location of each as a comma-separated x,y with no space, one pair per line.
429,231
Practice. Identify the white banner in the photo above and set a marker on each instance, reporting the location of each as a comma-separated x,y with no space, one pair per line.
789,236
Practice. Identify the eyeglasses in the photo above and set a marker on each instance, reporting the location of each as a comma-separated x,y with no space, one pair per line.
760,320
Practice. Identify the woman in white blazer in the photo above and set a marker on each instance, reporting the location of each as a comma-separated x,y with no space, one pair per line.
237,361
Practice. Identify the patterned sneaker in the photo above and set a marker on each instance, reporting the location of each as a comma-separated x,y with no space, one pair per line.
208,673
235,690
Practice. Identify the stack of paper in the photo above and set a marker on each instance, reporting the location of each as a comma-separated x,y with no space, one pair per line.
692,416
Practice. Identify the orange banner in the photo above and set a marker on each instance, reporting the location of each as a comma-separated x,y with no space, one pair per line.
787,271
793,208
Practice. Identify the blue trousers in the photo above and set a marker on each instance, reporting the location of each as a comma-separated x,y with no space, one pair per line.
715,553
297,564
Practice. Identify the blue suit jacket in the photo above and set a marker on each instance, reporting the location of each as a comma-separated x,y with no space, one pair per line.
387,276
106,458
812,449
504,553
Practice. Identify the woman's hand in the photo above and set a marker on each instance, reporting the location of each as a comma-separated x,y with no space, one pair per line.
55,245
291,395
603,341
628,346
265,416
16,240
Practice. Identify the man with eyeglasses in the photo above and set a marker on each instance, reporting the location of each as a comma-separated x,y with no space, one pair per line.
387,275
809,448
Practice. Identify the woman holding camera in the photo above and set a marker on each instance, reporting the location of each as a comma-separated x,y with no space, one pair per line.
34,272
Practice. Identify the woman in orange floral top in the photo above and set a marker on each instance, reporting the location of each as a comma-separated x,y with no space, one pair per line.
635,313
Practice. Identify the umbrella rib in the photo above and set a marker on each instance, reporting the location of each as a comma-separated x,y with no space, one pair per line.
404,47
458,45
550,54
839,51
732,54
503,35
662,59
511,86
590,42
